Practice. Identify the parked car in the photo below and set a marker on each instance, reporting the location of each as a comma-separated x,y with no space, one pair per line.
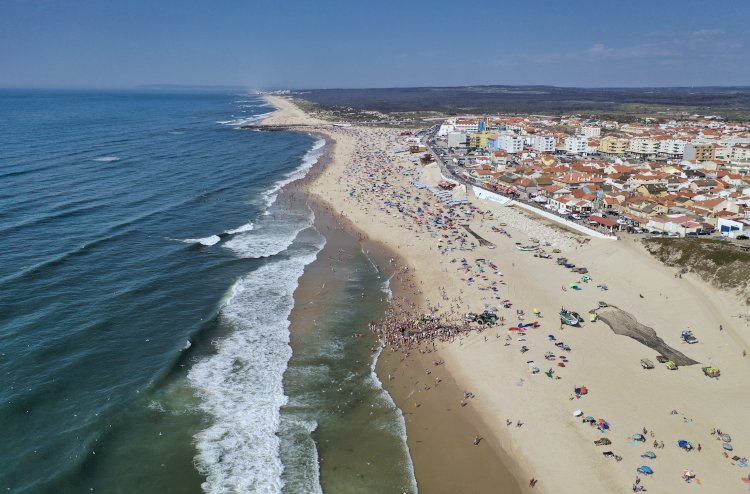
742,237
691,235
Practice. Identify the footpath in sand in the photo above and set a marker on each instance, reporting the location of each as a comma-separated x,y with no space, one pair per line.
525,414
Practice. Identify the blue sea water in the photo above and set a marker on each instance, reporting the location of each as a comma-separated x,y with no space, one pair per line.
148,266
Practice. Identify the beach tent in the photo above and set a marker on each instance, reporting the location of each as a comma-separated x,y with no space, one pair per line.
683,444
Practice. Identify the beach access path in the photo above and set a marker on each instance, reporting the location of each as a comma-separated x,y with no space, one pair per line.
552,445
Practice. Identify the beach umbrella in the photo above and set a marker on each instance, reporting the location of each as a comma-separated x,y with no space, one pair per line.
646,470
727,446
573,285
578,413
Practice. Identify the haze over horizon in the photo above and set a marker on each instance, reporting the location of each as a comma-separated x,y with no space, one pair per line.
337,44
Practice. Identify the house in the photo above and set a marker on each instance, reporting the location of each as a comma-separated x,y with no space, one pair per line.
649,190
680,224
732,227
606,223
703,185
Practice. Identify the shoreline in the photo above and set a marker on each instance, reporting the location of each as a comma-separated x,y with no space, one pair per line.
438,437
552,445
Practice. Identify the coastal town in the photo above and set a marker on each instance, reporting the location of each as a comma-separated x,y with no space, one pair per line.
679,178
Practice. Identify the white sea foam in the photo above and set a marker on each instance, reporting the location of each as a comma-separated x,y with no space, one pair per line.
257,244
241,229
400,422
308,161
207,241
107,159
271,235
385,287
304,474
242,384
238,122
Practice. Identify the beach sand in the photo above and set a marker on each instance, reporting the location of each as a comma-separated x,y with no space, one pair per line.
552,445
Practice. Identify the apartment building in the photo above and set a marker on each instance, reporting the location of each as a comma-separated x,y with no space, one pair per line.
741,152
543,144
699,152
613,145
644,146
511,143
576,144
673,148
477,140
589,131
464,125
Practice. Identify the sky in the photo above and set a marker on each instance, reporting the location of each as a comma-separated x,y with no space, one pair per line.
301,44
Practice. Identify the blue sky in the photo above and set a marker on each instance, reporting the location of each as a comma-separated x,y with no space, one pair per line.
311,44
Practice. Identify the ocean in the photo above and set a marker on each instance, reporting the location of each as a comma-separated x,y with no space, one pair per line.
150,254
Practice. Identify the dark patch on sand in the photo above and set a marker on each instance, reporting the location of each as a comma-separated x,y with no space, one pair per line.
483,242
624,323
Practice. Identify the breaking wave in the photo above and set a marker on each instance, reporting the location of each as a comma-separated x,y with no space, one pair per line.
400,423
241,229
308,161
242,384
238,122
207,241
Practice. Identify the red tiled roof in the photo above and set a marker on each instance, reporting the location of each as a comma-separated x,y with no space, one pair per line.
603,221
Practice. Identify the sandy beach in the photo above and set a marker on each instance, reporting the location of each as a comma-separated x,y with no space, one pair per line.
525,417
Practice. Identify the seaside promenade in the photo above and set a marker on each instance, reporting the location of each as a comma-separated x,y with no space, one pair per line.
520,397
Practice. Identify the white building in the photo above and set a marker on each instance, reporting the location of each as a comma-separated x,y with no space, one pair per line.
463,125
511,143
673,148
741,152
590,131
576,145
456,140
445,129
643,145
543,144
733,227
